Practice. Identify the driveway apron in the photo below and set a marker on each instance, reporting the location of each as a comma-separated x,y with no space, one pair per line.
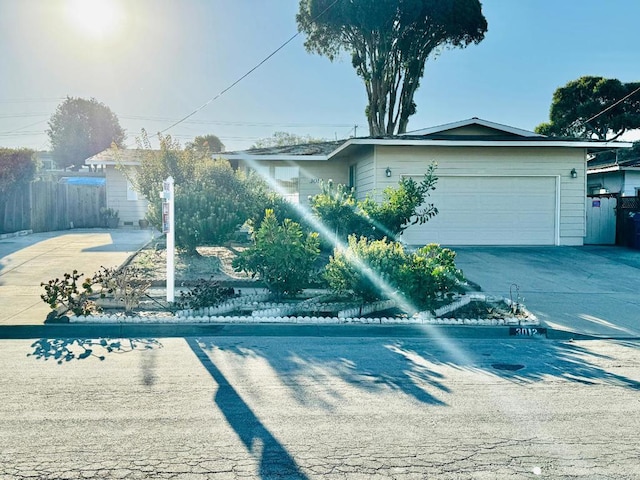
591,290
27,261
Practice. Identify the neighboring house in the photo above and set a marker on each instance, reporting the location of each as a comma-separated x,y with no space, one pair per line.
120,169
614,177
497,185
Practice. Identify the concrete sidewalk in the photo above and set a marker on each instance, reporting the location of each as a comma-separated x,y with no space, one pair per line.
590,290
26,261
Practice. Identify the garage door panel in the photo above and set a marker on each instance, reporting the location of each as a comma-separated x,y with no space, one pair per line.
490,211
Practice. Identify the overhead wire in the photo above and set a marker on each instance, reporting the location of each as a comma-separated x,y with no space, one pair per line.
262,62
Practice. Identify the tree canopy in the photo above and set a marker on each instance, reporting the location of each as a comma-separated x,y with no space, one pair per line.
588,108
206,144
389,42
17,168
282,139
81,128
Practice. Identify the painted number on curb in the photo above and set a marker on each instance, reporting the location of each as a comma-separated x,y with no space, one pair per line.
527,331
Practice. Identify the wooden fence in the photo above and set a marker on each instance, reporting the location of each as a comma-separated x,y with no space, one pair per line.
45,206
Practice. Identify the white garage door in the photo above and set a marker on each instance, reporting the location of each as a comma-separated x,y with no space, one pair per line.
490,211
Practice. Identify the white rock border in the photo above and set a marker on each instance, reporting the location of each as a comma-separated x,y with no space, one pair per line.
422,318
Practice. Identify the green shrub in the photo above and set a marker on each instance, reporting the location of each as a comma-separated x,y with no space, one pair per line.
430,276
366,268
401,206
281,256
337,208
378,269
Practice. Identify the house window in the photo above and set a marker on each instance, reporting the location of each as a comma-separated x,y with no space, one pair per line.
285,179
352,176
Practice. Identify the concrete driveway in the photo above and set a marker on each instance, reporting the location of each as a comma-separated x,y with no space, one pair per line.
27,261
593,290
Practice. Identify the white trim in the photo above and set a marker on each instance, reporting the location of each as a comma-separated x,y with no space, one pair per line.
297,158
474,121
480,143
109,163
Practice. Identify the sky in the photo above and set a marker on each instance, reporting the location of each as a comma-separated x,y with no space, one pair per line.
152,62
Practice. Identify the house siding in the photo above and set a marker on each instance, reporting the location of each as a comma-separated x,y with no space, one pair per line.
365,175
497,161
130,211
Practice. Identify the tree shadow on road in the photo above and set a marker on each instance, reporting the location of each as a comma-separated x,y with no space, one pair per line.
418,368
274,460
63,350
304,367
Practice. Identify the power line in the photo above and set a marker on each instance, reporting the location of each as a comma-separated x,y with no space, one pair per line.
611,106
245,75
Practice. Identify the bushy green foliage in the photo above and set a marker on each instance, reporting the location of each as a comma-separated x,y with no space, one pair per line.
212,200
338,209
430,275
369,269
389,42
281,256
401,206
378,269
17,168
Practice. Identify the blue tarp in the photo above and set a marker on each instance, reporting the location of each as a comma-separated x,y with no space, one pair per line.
93,181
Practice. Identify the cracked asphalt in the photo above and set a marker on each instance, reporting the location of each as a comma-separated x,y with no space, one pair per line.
318,408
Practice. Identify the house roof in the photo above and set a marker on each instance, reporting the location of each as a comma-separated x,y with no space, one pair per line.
117,156
474,132
477,122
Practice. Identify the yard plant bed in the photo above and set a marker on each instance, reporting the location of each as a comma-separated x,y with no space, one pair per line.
252,303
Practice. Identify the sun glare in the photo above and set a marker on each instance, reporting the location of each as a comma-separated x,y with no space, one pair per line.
98,19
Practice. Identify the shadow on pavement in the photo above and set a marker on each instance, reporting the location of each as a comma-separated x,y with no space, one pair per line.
275,461
413,367
67,349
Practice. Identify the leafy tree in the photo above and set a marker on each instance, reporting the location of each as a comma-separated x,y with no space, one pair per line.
575,105
283,139
17,168
81,128
389,42
212,200
206,144
281,256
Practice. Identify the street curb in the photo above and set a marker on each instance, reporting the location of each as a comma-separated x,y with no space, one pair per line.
20,233
264,330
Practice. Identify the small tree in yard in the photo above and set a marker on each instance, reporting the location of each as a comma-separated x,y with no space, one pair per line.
400,207
282,257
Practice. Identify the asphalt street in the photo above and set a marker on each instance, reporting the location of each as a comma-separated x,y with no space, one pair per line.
319,408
